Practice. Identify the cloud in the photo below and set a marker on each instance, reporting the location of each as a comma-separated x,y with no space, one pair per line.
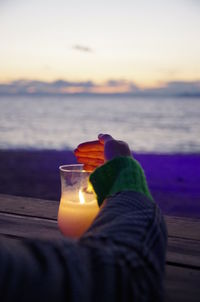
176,88
115,87
45,88
111,87
82,48
116,83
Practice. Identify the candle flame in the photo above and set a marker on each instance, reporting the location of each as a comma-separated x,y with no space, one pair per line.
81,197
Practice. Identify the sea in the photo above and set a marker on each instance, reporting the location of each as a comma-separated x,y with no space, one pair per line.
149,125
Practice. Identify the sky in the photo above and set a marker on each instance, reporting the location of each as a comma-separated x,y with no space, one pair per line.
147,43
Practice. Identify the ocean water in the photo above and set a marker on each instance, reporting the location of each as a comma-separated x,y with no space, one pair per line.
159,125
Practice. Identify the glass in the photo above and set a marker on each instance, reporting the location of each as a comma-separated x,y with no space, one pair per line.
78,205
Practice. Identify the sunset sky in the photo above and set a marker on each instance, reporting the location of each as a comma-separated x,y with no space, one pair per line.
146,42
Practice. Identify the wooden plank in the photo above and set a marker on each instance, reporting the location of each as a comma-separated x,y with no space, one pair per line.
183,227
180,250
182,284
188,228
183,251
28,227
29,206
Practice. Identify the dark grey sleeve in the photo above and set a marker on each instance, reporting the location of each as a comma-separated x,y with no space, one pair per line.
120,258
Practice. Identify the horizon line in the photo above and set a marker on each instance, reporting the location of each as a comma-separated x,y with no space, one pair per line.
111,87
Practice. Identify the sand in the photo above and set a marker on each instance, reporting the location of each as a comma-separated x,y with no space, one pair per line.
174,180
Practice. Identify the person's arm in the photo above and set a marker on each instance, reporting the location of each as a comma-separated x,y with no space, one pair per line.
131,231
120,258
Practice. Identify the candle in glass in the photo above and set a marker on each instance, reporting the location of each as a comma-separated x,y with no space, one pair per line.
78,205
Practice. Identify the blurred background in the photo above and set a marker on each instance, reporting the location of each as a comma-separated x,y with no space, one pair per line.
73,69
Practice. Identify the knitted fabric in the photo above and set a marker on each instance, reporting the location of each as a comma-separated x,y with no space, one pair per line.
118,175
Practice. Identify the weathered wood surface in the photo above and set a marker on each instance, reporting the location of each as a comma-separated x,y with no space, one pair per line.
182,284
29,206
22,217
179,249
188,228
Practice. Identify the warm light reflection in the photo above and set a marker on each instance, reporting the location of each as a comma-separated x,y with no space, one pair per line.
72,90
103,88
81,197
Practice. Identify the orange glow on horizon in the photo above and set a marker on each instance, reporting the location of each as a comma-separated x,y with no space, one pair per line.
110,89
72,90
99,86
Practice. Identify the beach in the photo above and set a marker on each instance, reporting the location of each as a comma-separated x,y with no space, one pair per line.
173,178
